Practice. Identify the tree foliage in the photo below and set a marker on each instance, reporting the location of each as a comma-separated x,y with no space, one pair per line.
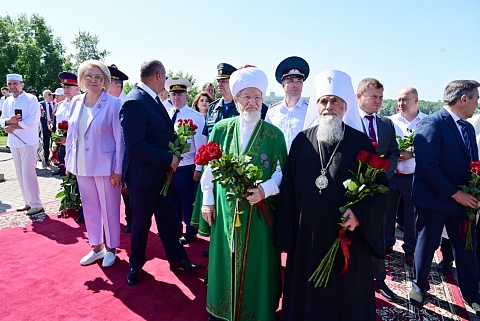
195,90
86,45
428,107
127,87
28,47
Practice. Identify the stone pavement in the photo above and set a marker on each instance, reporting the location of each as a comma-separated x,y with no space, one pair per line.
10,194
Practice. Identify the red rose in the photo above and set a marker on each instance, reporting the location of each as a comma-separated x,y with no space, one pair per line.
201,149
214,150
363,156
375,145
63,125
378,162
199,160
475,167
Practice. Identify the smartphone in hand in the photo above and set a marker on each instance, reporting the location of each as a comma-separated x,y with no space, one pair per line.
18,112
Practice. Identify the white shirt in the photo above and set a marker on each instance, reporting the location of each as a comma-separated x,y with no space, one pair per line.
122,97
366,122
167,104
401,127
198,139
85,117
30,119
289,120
63,111
270,186
47,112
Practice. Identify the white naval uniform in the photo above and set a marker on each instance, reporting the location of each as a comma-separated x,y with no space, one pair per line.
23,144
289,120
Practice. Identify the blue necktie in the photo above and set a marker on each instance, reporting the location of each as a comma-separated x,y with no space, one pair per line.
174,118
466,139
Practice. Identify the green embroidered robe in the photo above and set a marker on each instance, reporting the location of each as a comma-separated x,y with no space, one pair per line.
259,260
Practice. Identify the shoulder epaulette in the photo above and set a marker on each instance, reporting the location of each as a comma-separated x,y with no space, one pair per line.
275,104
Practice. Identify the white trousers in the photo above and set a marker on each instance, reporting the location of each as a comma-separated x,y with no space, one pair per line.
101,209
25,161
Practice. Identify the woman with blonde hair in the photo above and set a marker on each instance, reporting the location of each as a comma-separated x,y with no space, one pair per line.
94,153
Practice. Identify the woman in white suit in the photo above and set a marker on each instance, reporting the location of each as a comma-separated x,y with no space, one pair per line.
94,153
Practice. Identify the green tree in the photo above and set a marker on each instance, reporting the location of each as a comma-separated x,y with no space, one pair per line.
28,47
127,87
194,91
86,45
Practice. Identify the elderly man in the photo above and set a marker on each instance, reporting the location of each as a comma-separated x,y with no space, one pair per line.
241,285
147,130
444,147
407,119
20,118
184,187
46,120
289,114
308,221
62,112
58,96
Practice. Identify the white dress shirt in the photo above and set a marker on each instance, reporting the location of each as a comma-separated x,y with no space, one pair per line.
63,111
289,120
197,140
30,119
270,186
401,126
366,122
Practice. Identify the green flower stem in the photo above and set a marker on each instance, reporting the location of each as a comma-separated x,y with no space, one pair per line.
322,274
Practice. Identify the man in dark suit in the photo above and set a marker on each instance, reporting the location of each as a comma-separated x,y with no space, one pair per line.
382,134
147,130
444,147
46,121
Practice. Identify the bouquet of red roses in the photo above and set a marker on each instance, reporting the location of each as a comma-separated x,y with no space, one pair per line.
473,187
233,172
185,129
363,183
62,129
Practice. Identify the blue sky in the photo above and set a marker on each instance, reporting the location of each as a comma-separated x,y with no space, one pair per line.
424,44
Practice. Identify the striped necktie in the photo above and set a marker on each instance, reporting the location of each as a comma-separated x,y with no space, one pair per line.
466,139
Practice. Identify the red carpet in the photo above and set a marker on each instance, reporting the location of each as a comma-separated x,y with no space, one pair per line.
43,280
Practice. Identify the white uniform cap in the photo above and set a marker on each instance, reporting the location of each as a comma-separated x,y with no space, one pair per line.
16,77
248,77
59,91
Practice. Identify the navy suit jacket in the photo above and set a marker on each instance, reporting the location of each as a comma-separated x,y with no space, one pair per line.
147,130
442,162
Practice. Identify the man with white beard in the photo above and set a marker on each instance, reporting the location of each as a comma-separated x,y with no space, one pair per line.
321,158
235,230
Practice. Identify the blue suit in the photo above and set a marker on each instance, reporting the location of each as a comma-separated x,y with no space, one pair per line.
147,130
442,165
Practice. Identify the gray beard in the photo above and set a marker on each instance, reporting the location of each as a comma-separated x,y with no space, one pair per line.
330,129
250,117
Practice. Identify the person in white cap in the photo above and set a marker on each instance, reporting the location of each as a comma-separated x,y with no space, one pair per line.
58,96
309,216
257,287
187,174
21,118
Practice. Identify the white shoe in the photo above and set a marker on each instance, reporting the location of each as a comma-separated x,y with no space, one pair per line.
109,259
35,210
92,256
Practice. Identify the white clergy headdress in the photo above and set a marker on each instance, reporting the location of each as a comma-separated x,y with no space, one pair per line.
14,77
248,77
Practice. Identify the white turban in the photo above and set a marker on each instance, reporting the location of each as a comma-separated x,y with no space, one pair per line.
331,83
248,77
14,77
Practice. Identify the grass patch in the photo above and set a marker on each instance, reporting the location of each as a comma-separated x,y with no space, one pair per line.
3,140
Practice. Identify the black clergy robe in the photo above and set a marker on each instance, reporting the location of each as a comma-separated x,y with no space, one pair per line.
307,226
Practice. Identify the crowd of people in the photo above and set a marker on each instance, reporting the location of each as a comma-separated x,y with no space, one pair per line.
119,145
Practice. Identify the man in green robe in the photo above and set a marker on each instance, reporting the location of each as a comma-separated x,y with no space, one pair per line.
244,280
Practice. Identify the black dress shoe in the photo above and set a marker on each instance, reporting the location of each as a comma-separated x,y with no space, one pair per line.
187,239
445,267
475,307
416,298
186,265
212,318
386,292
409,257
127,229
80,218
132,277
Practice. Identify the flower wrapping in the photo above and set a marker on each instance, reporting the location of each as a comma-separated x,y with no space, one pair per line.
362,184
